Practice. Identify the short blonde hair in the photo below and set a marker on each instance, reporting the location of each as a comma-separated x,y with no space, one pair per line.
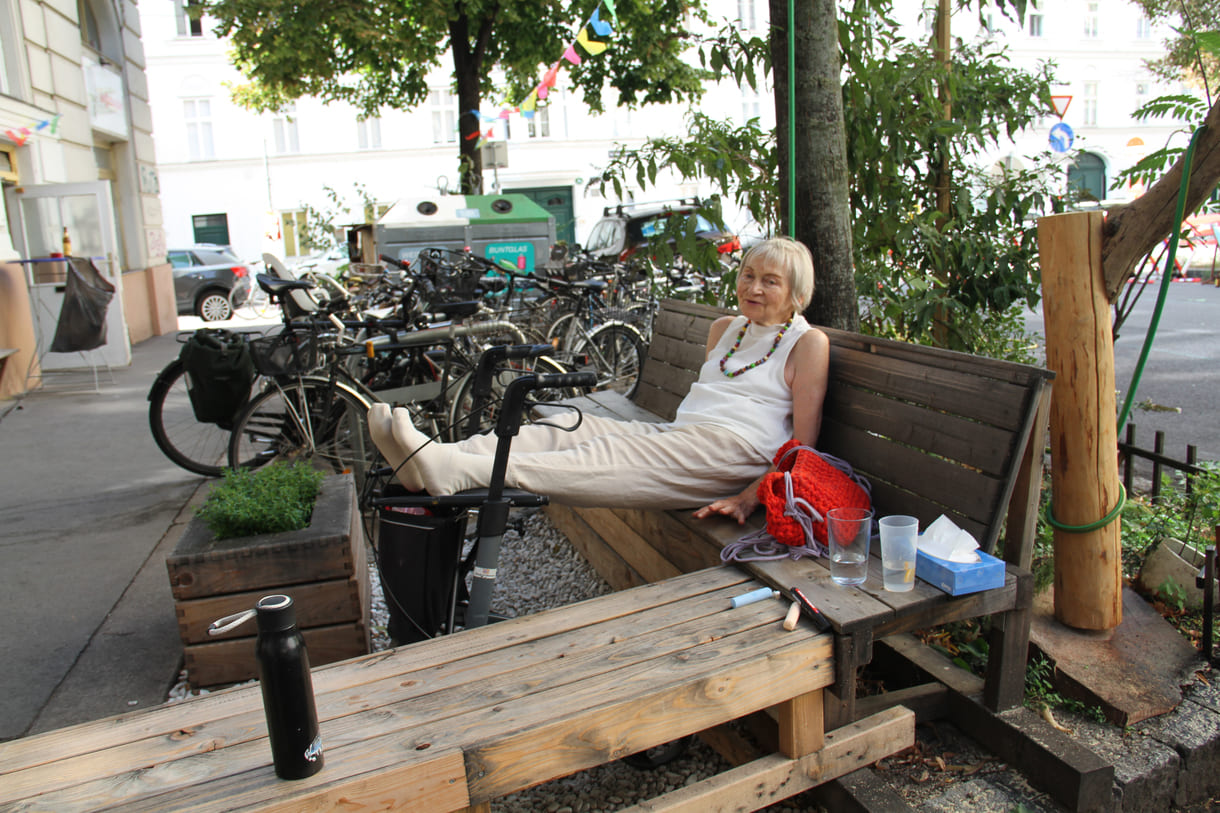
792,256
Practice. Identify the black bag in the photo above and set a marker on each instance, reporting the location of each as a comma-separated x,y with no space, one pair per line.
418,558
219,372
82,319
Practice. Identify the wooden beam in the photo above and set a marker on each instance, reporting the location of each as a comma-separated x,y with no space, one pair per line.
1085,486
775,777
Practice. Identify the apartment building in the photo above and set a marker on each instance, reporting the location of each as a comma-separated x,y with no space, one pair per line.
79,174
232,176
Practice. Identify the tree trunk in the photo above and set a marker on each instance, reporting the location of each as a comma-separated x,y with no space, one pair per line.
821,217
467,69
1131,231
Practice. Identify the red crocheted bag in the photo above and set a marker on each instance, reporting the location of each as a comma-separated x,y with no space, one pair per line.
806,484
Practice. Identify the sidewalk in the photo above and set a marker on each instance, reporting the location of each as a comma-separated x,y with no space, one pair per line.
88,506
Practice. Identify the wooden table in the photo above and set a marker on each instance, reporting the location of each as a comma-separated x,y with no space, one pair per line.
455,722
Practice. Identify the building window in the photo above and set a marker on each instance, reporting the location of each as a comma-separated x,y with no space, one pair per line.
747,15
198,114
1090,104
1142,91
8,164
1143,28
189,16
284,131
751,104
368,133
7,84
1035,25
540,125
292,227
1092,21
444,116
211,228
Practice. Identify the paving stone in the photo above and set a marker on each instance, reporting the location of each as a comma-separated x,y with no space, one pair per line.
1194,732
1145,769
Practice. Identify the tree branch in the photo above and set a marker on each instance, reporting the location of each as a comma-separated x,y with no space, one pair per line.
1133,230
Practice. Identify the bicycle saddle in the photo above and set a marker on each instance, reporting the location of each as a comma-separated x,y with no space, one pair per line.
276,286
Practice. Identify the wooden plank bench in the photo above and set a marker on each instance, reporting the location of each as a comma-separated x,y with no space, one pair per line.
935,432
455,722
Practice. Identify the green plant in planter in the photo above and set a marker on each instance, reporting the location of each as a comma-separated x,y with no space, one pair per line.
274,498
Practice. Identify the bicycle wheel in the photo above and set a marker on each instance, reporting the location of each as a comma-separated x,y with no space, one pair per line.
305,420
463,400
616,353
195,446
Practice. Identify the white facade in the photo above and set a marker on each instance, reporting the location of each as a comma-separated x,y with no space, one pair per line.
252,173
77,162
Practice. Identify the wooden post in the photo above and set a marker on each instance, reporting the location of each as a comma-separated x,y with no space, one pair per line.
1084,435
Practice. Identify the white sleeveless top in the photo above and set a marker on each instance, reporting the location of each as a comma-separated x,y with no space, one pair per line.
756,405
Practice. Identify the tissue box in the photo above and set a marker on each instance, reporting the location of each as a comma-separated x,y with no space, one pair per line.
958,578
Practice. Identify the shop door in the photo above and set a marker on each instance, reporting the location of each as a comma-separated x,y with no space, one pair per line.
42,213
557,200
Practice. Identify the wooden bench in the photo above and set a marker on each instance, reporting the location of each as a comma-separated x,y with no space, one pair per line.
935,432
455,722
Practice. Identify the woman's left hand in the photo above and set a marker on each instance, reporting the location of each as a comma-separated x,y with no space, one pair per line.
739,507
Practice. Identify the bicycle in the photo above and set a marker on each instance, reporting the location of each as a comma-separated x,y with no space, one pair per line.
595,337
302,414
250,302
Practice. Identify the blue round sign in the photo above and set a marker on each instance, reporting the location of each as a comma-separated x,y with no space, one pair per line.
1061,137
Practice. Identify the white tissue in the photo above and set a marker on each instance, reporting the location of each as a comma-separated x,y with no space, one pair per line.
944,540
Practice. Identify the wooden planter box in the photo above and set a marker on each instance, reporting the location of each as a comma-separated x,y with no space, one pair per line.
322,567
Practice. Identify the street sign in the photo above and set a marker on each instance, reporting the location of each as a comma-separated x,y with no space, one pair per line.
1061,137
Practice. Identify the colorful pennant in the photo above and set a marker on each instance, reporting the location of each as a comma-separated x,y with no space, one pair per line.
595,26
22,134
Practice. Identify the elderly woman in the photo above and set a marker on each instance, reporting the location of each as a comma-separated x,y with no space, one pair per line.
762,383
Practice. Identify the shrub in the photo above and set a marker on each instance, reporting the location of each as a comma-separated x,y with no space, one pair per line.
278,497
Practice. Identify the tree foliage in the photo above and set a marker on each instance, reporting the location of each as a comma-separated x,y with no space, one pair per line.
913,265
376,55
1187,54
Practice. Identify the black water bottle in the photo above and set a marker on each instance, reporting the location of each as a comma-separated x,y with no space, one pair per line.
283,672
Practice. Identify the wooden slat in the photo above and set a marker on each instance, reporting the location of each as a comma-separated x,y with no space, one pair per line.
685,548
978,445
232,661
972,493
773,778
592,546
316,604
959,391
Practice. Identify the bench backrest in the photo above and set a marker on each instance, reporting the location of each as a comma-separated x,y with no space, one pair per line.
934,431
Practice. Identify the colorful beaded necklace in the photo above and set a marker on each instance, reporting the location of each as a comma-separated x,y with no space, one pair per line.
778,338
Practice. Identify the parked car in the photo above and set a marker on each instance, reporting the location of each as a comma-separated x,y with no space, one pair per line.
624,230
204,275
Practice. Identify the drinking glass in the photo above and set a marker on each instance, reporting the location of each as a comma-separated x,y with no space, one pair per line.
849,530
899,534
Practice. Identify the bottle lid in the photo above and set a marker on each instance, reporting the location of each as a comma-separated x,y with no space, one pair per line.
276,614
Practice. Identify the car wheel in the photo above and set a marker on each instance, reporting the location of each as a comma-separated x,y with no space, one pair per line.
213,306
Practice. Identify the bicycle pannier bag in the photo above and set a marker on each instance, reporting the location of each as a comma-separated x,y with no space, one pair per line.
219,372
418,557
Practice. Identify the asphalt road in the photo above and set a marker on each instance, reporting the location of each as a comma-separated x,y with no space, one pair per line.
1179,389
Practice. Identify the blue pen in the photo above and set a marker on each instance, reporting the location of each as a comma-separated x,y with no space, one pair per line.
753,596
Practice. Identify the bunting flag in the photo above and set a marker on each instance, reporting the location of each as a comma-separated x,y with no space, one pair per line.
592,47
600,28
595,26
22,134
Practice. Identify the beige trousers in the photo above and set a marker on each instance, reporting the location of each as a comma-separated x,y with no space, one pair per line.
626,464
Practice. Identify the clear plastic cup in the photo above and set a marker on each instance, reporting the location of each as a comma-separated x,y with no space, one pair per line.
899,537
849,531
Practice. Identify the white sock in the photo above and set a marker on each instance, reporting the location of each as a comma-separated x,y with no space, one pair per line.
440,467
382,432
